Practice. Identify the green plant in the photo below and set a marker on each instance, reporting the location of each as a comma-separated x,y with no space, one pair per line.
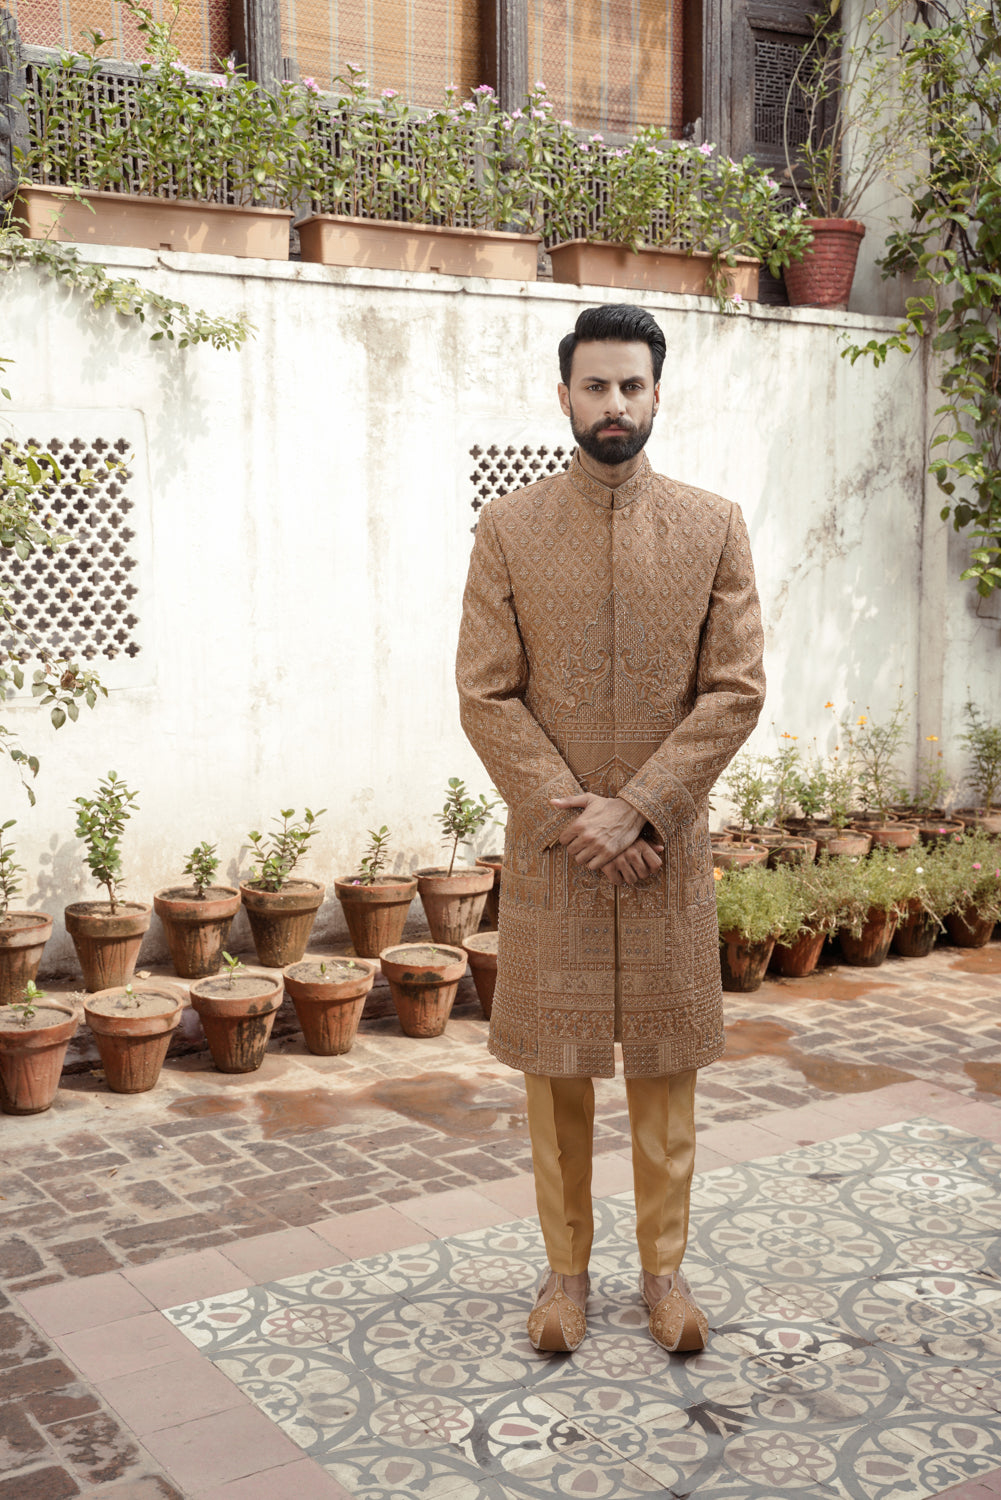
11,872
974,864
25,1008
813,899
131,998
747,788
874,748
782,773
933,789
839,779
811,789
983,741
863,887
280,852
374,857
201,866
752,902
233,967
100,822
461,818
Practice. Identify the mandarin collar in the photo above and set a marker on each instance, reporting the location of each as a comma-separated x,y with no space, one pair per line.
600,494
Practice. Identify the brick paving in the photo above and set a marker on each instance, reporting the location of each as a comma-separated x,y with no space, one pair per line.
213,1182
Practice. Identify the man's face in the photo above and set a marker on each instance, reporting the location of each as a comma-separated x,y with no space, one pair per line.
611,399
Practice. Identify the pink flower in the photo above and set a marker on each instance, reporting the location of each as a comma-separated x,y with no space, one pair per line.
597,137
217,81
976,865
707,149
469,106
483,88
311,84
736,299
567,124
390,93
538,114
518,114
539,84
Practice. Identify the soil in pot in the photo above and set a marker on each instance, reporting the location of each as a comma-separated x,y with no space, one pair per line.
743,964
916,932
481,950
237,1017
870,948
133,1033
32,1055
329,996
792,852
799,958
23,935
453,904
968,929
196,927
281,921
493,862
738,856
423,979
107,945
376,914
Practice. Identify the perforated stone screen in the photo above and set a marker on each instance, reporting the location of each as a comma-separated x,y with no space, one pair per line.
497,471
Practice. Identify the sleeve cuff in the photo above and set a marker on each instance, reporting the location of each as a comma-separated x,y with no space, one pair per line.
668,806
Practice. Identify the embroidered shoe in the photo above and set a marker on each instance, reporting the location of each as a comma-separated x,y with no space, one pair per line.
556,1325
676,1322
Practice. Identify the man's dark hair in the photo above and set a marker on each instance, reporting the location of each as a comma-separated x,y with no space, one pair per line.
621,321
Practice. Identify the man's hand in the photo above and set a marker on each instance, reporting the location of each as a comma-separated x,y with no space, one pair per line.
606,828
639,860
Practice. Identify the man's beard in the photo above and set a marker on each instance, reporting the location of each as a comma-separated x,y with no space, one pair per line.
611,450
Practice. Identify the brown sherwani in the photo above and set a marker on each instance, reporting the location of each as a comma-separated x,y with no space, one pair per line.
611,642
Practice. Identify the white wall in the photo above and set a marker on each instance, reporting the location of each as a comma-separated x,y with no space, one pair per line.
309,532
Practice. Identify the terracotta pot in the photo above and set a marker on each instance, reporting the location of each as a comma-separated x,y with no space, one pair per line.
799,958
493,862
54,213
453,904
133,1045
743,964
329,1005
916,932
720,837
968,929
807,827
980,819
738,856
237,1020
23,935
940,831
423,983
339,240
604,264
281,921
793,852
31,1058
843,842
481,950
823,278
107,946
893,835
869,949
376,914
196,927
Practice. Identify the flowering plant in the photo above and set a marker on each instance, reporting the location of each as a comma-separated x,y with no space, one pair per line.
875,746
756,903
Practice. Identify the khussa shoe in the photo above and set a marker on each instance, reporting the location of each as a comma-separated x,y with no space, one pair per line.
676,1323
556,1325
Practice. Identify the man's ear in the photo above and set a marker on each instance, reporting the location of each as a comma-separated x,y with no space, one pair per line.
656,398
564,394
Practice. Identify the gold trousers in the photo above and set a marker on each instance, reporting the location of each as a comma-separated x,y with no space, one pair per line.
662,1125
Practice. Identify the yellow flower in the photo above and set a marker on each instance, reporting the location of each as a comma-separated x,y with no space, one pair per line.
861,719
828,704
931,736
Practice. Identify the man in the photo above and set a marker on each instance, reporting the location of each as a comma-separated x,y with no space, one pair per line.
609,668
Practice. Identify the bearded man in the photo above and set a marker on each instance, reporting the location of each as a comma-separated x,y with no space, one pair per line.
609,667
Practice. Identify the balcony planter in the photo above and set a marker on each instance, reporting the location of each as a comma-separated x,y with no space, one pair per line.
916,932
584,263
281,921
376,914
329,1001
31,1057
237,1017
196,927
107,945
423,979
968,929
799,958
742,963
133,1033
493,862
57,213
384,245
481,950
823,278
870,948
453,904
23,935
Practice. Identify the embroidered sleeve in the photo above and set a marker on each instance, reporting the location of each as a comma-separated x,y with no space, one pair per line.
492,676
730,689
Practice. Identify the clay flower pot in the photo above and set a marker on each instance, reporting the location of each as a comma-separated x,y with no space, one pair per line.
738,856
329,1001
196,927
799,958
602,263
31,1057
493,862
893,835
107,946
982,819
968,929
23,935
453,904
281,921
823,278
940,830
376,914
916,932
133,1035
423,979
869,949
339,240
792,851
743,964
481,950
848,842
237,1018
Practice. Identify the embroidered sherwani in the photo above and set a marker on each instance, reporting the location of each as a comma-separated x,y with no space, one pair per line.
611,642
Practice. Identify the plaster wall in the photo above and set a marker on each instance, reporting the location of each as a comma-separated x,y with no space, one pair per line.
308,528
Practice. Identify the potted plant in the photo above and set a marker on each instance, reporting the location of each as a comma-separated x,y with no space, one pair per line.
423,979
493,862
745,785
34,1034
927,886
927,806
282,910
453,899
329,997
210,164
426,192
375,904
23,934
132,1026
197,917
975,908
837,839
237,1011
480,949
983,741
751,906
875,747
107,935
809,917
869,906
